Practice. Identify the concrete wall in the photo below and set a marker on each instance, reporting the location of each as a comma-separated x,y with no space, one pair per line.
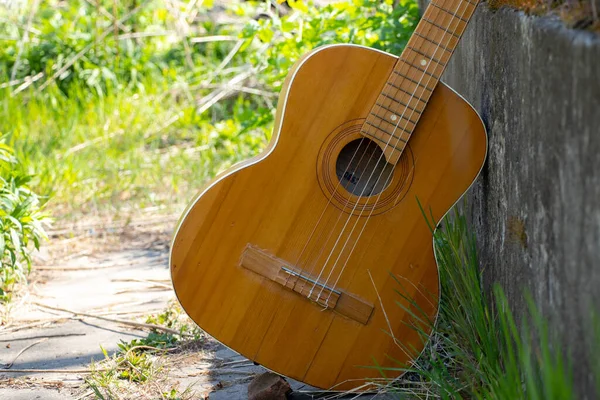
536,207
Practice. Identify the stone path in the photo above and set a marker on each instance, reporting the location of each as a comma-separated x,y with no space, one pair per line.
108,286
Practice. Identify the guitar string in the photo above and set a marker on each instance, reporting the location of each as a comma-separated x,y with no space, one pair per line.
340,236
340,214
296,264
331,231
426,70
356,205
429,79
346,204
301,275
393,81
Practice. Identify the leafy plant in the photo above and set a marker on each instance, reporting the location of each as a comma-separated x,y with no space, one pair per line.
174,318
62,32
21,222
277,42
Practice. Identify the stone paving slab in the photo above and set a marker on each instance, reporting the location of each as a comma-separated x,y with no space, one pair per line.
34,394
114,285
66,352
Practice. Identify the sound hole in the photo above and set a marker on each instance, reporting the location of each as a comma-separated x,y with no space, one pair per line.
362,168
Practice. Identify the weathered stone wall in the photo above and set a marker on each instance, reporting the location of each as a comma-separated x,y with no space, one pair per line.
536,206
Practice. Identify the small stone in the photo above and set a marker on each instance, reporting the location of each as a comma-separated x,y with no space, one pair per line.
268,386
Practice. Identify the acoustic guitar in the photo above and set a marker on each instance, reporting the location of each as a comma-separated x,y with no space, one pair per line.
314,258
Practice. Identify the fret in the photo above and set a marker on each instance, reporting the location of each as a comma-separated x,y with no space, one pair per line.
441,46
387,133
412,101
431,58
422,64
426,57
448,11
438,35
396,124
427,50
450,19
462,7
395,100
381,140
396,112
464,10
413,74
417,83
401,102
446,31
393,112
418,70
425,71
385,108
410,94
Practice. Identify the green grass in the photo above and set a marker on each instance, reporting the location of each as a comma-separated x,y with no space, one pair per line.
123,127
128,125
120,151
478,350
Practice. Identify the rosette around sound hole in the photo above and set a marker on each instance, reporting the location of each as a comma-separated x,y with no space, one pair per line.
355,176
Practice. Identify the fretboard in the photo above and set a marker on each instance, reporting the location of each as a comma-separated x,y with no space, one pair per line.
416,74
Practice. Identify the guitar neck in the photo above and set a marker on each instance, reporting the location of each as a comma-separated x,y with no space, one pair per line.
417,73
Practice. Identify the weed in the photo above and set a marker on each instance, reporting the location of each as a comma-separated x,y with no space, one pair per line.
174,318
137,369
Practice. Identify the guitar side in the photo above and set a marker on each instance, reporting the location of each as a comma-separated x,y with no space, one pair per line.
273,203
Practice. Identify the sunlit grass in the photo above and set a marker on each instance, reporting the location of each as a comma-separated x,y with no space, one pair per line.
132,123
94,155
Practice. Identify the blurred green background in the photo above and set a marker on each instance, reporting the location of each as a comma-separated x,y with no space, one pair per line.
114,106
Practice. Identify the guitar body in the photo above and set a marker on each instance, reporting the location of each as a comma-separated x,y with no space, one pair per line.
282,212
